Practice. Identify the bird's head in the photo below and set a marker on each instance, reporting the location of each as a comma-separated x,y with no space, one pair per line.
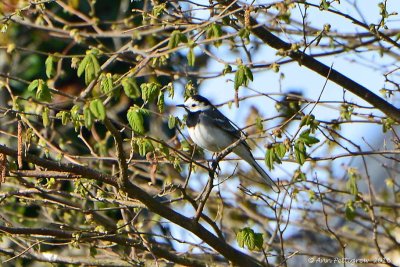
196,103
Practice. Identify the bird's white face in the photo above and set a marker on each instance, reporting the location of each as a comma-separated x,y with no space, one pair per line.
193,105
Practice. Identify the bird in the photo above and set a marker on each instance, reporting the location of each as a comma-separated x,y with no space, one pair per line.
211,130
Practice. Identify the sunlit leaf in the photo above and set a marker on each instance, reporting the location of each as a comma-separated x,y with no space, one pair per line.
50,70
88,117
46,116
247,237
239,78
171,121
150,91
176,38
33,85
136,120
131,88
161,102
191,57
350,210
97,108
106,84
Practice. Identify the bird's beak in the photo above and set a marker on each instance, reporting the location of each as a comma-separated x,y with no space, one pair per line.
181,106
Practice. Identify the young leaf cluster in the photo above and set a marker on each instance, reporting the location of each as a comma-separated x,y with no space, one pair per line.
214,31
131,87
176,38
304,140
49,63
40,89
274,154
90,66
150,91
106,83
247,237
243,76
351,184
135,118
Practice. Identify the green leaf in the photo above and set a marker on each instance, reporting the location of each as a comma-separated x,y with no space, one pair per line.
310,140
43,91
227,69
171,121
89,73
387,124
300,152
160,101
88,117
170,90
307,138
46,116
350,210
97,108
274,154
324,5
131,88
351,184
248,74
346,111
144,146
50,71
158,9
239,78
75,112
135,119
309,120
176,38
298,175
214,31
269,158
275,67
33,85
191,57
244,33
95,63
150,91
280,150
106,84
82,65
90,66
93,251
247,237
259,123
65,116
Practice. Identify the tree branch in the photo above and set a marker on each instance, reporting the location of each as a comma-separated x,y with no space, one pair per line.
133,191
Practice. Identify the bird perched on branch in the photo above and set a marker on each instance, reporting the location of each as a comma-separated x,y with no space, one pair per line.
211,130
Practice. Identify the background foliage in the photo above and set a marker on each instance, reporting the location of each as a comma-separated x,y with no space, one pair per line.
96,168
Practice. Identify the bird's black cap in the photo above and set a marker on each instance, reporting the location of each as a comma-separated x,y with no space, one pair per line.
200,98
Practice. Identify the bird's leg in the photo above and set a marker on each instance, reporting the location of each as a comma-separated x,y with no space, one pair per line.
214,163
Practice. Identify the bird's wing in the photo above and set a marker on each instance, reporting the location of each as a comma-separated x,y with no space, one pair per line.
216,118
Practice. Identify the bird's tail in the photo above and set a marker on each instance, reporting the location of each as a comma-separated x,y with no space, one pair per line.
244,152
267,179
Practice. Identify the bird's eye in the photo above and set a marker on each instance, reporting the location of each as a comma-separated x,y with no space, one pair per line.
193,105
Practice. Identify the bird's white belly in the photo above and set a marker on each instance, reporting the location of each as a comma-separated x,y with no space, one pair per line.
209,138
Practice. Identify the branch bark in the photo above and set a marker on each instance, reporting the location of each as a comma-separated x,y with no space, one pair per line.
69,235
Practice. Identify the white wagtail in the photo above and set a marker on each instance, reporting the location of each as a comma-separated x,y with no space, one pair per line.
211,130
